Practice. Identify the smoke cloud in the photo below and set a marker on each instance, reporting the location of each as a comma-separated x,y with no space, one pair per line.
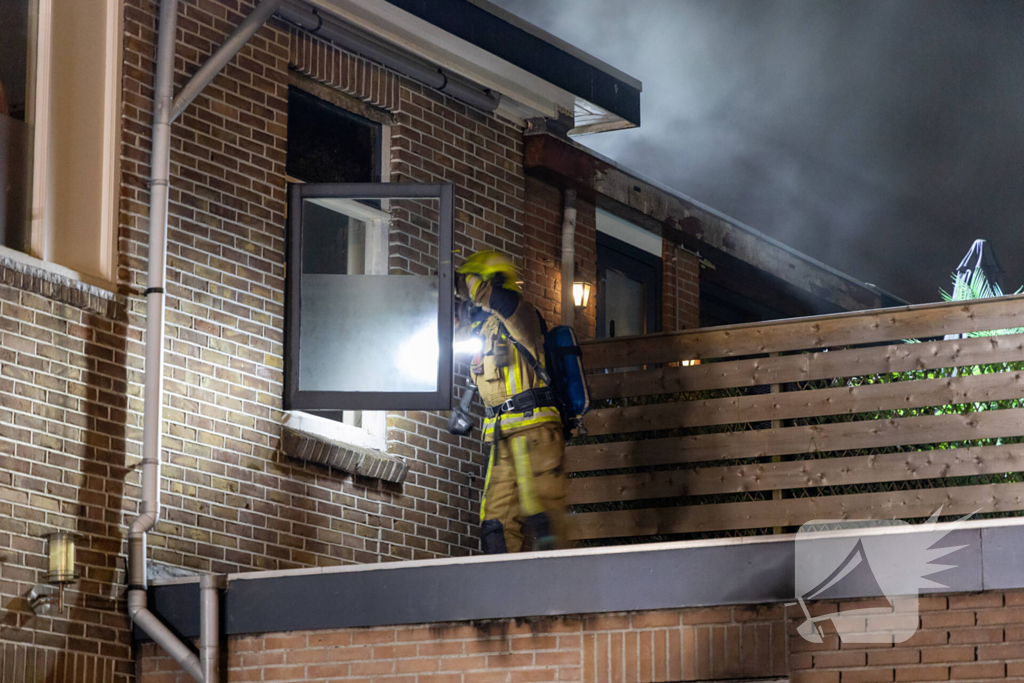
879,137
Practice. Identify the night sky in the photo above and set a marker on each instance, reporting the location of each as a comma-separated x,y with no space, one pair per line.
879,137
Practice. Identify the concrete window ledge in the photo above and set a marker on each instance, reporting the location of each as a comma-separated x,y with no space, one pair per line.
59,284
303,444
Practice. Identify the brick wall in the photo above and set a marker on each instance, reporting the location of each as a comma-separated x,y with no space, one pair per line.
961,638
71,377
655,646
977,636
542,240
62,466
681,300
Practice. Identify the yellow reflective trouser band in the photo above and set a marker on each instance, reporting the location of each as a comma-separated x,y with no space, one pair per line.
487,481
528,503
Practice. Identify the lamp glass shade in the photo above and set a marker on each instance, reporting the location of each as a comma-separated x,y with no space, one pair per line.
62,558
581,293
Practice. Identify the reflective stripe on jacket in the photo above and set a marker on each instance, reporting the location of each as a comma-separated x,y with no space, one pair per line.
502,372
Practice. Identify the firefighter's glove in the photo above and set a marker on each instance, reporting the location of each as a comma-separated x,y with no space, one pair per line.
461,288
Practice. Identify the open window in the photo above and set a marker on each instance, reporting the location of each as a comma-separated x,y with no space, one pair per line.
367,329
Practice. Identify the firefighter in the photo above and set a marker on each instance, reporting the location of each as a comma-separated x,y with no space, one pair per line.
524,490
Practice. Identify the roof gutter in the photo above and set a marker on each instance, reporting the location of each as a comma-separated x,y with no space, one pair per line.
439,79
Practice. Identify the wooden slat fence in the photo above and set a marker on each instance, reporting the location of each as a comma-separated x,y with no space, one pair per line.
830,417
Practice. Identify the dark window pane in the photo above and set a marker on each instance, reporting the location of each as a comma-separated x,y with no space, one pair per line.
15,132
628,289
327,144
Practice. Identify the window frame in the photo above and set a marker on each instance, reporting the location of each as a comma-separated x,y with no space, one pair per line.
45,229
638,265
312,401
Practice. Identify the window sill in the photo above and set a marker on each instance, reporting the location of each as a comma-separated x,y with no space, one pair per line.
340,446
8,254
52,281
332,430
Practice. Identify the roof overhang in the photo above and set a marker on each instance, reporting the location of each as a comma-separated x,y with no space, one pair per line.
537,74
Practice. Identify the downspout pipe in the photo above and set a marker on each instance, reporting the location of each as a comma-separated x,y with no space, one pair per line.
209,627
149,507
205,667
568,255
435,77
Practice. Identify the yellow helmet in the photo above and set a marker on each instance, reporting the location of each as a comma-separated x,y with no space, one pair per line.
488,264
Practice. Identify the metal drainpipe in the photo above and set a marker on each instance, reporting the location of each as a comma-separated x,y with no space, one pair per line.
209,627
149,507
204,669
568,254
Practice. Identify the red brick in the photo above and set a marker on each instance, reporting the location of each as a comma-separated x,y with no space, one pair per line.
371,668
325,671
443,647
946,619
834,660
937,655
961,672
893,656
971,600
866,675
655,619
829,643
496,676
708,615
1003,615
976,635
532,675
801,660
1013,598
373,636
606,622
814,677
925,638
284,642
1002,651
922,673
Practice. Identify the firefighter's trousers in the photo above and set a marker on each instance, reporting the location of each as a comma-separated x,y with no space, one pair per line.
525,491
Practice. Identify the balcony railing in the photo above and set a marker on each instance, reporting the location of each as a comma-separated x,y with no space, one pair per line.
875,414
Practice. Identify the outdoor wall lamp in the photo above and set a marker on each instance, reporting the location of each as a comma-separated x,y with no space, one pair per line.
62,571
581,294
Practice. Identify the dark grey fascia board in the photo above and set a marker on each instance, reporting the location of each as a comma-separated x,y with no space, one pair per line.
527,47
561,583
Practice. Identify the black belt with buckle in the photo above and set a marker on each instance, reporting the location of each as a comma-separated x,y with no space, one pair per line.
524,401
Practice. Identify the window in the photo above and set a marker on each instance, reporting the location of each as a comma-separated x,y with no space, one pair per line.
60,66
629,278
364,328
15,129
327,144
358,336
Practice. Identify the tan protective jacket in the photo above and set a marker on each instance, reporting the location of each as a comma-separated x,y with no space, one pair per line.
500,371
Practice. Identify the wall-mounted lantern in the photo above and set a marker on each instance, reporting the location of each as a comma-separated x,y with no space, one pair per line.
581,293
62,570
